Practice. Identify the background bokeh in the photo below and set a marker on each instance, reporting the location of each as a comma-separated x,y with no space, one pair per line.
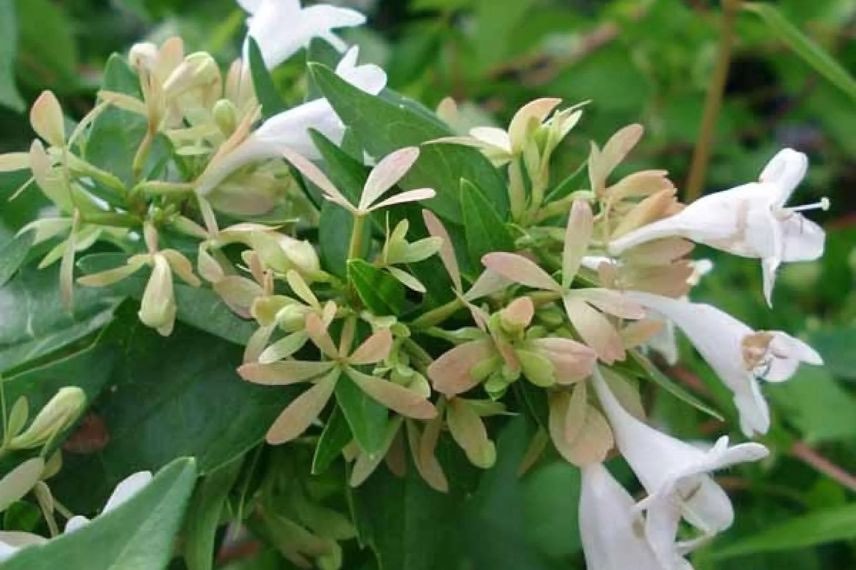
636,61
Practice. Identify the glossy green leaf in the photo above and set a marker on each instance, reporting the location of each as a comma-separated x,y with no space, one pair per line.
811,529
204,514
266,91
484,229
366,418
48,55
171,397
336,223
805,47
12,255
116,134
335,436
651,372
138,535
383,127
34,322
9,95
835,345
379,291
199,307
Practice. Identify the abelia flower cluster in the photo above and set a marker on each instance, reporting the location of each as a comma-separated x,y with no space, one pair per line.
597,278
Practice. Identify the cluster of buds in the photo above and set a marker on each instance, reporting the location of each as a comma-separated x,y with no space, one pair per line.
599,279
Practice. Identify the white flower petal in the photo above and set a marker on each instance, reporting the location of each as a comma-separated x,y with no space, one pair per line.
784,172
127,488
367,77
802,239
608,520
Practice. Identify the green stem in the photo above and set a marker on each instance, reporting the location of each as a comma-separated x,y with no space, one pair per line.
142,154
3,406
438,315
713,101
110,219
356,237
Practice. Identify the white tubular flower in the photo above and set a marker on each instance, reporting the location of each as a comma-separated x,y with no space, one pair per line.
282,27
611,527
750,220
123,492
736,353
290,129
675,475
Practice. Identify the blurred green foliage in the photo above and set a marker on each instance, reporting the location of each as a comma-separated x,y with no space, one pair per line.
646,62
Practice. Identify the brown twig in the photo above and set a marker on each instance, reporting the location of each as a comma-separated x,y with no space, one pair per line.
811,457
713,101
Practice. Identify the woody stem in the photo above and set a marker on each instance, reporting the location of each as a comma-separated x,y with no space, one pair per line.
713,101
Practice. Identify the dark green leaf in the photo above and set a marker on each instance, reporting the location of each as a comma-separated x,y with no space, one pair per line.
805,47
12,255
383,127
116,134
335,436
801,532
9,96
366,417
263,84
34,322
204,513
836,347
136,535
171,397
381,293
484,229
47,51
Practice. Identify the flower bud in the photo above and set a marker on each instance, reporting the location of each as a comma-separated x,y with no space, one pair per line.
292,317
197,70
226,116
301,254
143,56
157,308
58,414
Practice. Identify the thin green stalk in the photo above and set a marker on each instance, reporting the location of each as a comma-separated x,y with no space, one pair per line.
713,101
3,406
438,315
356,237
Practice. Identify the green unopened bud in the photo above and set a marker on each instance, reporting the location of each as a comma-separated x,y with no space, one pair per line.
496,386
157,308
197,70
226,116
291,318
301,254
538,369
57,415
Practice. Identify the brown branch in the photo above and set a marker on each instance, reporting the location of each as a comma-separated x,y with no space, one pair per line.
713,101
811,457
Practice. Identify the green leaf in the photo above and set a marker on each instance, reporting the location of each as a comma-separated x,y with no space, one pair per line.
366,417
805,47
34,322
819,407
116,134
835,345
336,223
483,227
408,525
335,436
9,95
651,372
204,513
47,51
263,84
137,535
12,255
808,530
199,307
170,397
381,293
383,126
